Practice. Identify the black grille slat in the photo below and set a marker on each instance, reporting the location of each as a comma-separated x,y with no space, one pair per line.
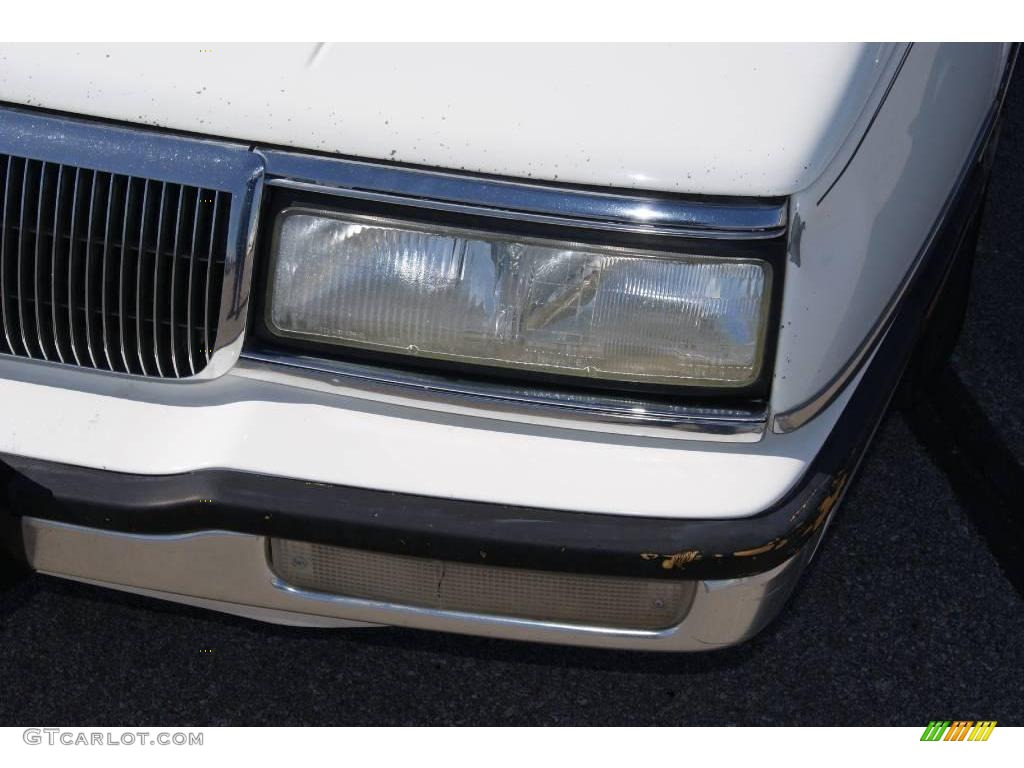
139,273
109,271
8,173
161,215
72,248
26,175
209,279
126,221
87,271
189,295
37,264
174,275
104,276
56,246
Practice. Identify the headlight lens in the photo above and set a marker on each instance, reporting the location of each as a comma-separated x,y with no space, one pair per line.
540,305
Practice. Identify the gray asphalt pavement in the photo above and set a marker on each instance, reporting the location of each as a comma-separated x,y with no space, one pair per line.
906,615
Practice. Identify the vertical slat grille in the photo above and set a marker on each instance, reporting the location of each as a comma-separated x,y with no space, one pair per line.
109,271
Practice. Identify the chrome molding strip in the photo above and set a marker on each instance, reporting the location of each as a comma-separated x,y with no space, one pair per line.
548,204
523,403
141,153
787,421
231,571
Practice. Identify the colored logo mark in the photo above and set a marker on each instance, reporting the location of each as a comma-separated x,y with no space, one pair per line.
958,730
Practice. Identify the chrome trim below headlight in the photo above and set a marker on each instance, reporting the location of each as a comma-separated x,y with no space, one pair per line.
521,403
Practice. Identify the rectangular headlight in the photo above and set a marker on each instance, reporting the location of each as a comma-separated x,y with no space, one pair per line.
540,305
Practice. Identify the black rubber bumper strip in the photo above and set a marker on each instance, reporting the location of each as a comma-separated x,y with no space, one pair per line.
497,534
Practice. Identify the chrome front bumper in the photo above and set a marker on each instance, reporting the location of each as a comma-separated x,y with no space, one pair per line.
230,572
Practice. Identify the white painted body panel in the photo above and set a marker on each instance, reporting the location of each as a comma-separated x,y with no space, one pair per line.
339,437
705,119
742,120
855,248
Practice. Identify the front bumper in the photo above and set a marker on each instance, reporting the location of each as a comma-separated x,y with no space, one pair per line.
230,572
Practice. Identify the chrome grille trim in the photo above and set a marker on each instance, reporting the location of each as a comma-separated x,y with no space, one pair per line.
154,279
101,291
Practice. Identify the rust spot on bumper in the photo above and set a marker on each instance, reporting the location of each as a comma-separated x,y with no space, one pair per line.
680,559
756,550
826,505
804,523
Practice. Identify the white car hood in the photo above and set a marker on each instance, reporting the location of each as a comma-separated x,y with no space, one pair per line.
707,119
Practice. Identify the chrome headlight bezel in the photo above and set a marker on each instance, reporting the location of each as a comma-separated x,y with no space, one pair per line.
766,248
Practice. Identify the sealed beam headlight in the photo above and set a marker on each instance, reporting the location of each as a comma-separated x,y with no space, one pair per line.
539,305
